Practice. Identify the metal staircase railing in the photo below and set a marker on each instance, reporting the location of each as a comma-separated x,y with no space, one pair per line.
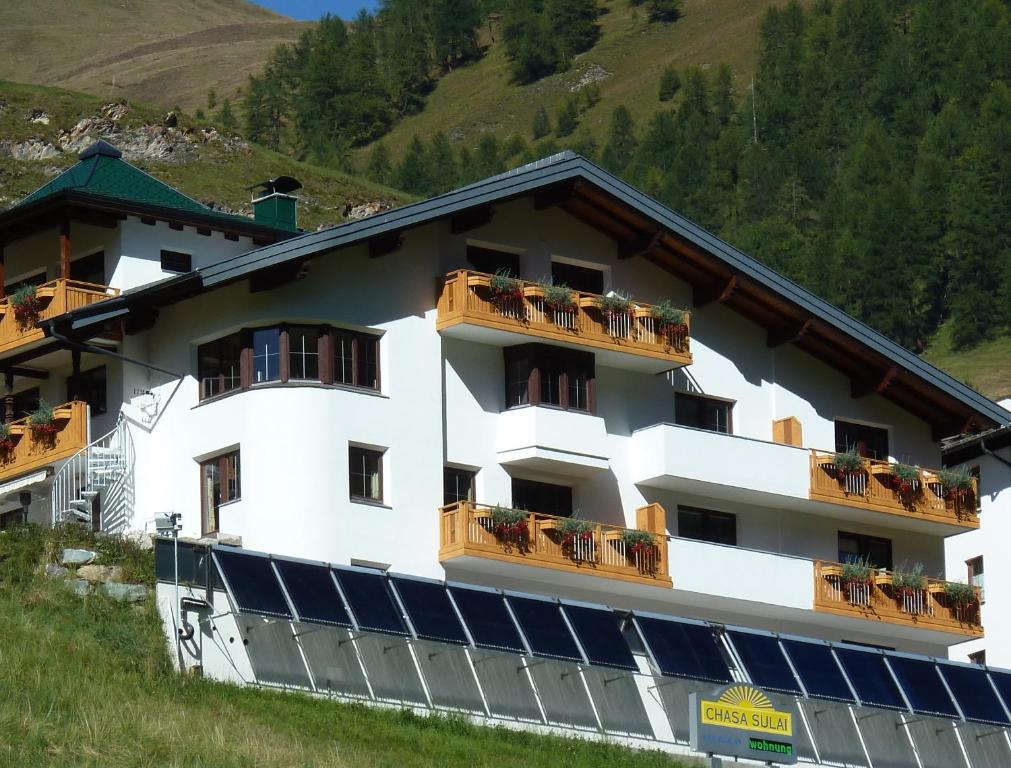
98,466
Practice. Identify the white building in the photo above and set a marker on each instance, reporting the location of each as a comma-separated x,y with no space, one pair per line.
369,395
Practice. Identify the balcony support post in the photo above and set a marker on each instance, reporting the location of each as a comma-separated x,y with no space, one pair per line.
75,375
65,249
8,397
3,272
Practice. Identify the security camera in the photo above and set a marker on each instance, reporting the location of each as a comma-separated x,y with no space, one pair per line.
168,522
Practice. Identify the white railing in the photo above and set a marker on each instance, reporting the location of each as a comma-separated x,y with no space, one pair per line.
103,464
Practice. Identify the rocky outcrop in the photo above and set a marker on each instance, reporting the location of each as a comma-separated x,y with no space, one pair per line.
124,593
31,149
354,211
78,556
100,573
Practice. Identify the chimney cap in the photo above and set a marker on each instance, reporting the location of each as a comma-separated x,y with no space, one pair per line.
282,184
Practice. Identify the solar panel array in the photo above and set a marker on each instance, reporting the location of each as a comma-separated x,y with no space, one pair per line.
563,631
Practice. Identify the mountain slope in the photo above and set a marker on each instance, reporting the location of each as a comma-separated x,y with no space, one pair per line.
43,129
167,52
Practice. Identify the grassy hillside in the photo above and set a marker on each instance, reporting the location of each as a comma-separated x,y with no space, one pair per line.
215,171
985,367
167,52
628,59
87,682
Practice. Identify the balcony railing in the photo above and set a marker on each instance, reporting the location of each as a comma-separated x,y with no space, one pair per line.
873,487
28,448
877,598
469,529
54,298
465,296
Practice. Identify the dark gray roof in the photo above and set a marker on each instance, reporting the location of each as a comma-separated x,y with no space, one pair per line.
566,167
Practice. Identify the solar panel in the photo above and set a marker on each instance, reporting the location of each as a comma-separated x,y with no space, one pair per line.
487,618
765,662
818,671
544,627
254,586
974,694
684,650
924,689
1003,682
369,596
873,684
600,636
430,611
312,590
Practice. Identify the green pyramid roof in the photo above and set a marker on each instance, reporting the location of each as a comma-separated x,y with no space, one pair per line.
103,173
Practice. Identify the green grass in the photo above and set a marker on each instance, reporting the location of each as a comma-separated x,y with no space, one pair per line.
216,176
985,367
87,682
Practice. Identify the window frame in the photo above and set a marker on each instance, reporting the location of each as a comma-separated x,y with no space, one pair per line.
699,397
77,387
541,361
458,472
841,447
380,455
863,540
707,514
181,256
221,461
326,347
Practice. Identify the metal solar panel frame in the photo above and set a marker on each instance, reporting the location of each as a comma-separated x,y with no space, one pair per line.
801,690
889,655
985,671
502,595
335,570
398,598
565,619
854,700
291,602
907,708
597,607
634,618
231,593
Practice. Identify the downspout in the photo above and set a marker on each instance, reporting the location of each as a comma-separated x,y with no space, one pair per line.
50,328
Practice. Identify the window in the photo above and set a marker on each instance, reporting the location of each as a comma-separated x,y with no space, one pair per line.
545,498
707,525
25,402
13,518
89,269
979,657
219,365
869,442
538,374
703,412
90,388
975,566
303,353
457,485
37,279
873,549
491,261
356,359
219,484
365,474
174,261
288,353
584,279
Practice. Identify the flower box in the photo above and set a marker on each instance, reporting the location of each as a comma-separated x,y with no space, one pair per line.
533,291
478,281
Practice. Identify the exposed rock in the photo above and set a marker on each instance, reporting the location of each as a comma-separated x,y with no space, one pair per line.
142,539
116,111
125,593
38,116
78,556
31,149
79,587
53,571
170,120
100,573
593,73
362,210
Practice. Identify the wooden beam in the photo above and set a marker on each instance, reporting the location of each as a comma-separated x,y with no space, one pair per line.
472,219
276,276
381,246
552,196
65,249
139,320
873,386
25,373
720,292
640,246
777,337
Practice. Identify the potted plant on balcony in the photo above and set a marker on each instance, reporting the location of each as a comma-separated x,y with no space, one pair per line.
904,478
559,298
509,525
504,287
959,594
848,463
7,440
671,322
617,312
857,576
42,422
909,587
957,483
576,538
27,305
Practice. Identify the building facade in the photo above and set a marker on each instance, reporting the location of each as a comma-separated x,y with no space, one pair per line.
677,430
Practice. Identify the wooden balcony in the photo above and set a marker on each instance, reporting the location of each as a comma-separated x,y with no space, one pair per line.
878,600
468,529
872,488
465,298
55,298
29,449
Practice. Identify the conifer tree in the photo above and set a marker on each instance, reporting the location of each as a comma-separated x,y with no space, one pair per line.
568,119
441,163
212,98
413,173
621,141
454,30
574,27
487,159
670,83
226,117
542,123
379,168
664,10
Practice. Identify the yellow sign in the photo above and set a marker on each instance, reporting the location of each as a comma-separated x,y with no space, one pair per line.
747,709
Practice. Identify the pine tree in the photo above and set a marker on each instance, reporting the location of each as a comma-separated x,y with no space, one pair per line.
542,123
664,10
575,27
379,168
568,119
487,159
513,146
530,43
723,94
413,173
441,164
212,98
226,117
670,83
621,141
454,30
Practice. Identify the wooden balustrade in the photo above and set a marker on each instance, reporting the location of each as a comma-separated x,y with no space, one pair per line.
54,298
872,487
878,599
465,296
28,448
469,529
